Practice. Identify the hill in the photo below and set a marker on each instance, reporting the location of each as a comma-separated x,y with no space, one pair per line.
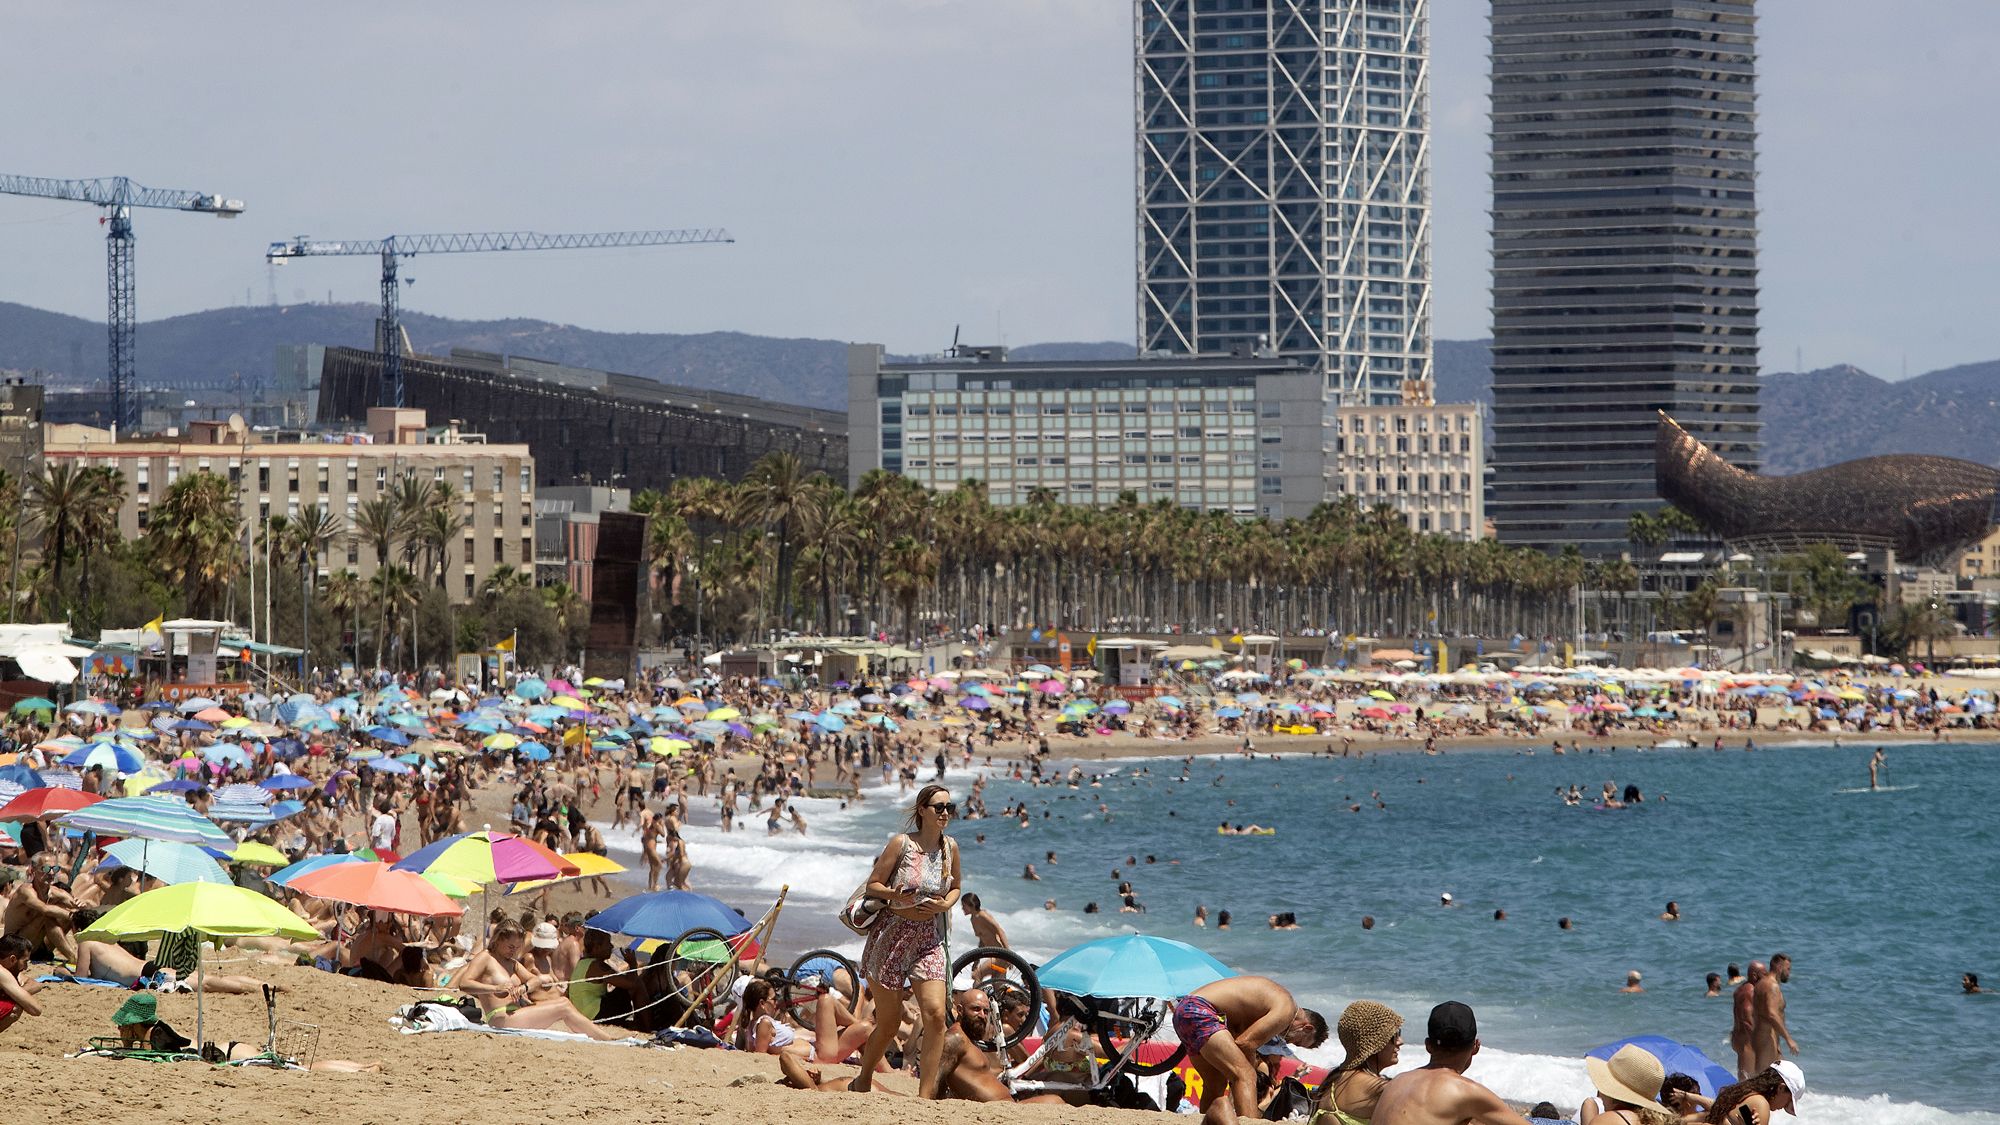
1810,419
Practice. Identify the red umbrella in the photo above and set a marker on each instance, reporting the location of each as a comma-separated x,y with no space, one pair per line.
40,804
377,886
1372,713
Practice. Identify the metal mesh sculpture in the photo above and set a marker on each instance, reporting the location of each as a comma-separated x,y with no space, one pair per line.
1924,507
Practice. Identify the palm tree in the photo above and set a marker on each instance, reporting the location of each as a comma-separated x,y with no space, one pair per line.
505,580
377,524
564,602
439,528
195,535
77,509
908,566
397,593
346,593
772,493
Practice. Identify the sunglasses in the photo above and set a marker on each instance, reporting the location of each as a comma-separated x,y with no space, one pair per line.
943,808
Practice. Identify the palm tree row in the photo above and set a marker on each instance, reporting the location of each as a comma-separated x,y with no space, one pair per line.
788,550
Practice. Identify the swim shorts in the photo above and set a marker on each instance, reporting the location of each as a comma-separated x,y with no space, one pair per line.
1196,1021
6,1008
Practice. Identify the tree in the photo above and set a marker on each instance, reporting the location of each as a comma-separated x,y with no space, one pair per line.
76,507
397,594
195,535
772,494
1922,623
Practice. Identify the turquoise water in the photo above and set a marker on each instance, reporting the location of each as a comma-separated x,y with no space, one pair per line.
1881,899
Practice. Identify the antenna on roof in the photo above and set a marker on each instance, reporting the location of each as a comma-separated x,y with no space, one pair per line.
954,341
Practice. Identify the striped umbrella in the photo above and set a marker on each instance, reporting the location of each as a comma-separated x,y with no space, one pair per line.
63,779
249,794
285,876
250,813
151,818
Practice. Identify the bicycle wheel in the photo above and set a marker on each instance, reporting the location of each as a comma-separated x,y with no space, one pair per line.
816,971
1008,980
1112,1043
704,967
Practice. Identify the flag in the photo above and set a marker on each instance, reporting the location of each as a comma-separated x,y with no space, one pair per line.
1214,641
158,628
1090,646
504,646
1237,639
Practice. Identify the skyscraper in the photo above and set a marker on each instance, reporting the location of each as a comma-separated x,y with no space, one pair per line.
1284,185
1624,254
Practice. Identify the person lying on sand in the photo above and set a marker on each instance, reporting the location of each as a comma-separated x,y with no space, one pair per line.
101,960
514,998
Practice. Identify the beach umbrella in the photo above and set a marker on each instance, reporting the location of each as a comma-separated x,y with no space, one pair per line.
110,755
724,714
195,703
488,857
279,783
530,689
1134,965
34,703
284,876
206,908
1676,1057
46,802
175,785
588,865
387,765
975,703
258,855
830,722
282,809
91,707
452,885
151,818
377,886
256,794
668,915
1373,713
22,776
226,754
168,862
501,741
1049,687
1229,712
535,751
1168,701
390,735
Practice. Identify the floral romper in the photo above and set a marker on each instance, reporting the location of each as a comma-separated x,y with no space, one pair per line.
899,950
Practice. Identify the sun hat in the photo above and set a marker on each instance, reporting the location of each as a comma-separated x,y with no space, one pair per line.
139,1008
1795,1079
1633,1076
544,936
1365,1028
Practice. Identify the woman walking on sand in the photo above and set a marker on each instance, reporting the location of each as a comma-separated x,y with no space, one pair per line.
917,875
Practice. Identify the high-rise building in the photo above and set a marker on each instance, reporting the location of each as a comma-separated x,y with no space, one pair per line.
1624,254
1284,186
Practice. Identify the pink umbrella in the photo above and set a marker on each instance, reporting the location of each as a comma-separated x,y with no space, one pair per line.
560,687
1400,708
1050,687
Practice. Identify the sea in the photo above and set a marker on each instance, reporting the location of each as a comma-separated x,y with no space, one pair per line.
1882,899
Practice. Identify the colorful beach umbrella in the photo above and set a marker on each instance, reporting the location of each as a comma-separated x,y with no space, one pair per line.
488,857
284,876
151,818
41,804
377,886
168,862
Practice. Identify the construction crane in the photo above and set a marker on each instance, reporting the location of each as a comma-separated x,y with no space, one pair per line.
389,335
118,195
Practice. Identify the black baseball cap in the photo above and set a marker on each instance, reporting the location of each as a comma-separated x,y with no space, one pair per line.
1452,1026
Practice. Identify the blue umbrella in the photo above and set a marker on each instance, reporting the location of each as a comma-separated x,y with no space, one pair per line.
285,781
531,689
110,755
167,862
223,753
22,776
282,809
1168,701
667,915
190,724
1229,712
387,764
177,785
1135,965
534,751
91,707
390,735
1676,1057
284,876
830,722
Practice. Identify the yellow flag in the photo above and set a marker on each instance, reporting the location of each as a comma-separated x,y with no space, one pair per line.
504,646
1214,641
1237,639
1090,646
157,626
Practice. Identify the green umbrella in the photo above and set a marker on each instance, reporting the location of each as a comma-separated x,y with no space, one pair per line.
34,703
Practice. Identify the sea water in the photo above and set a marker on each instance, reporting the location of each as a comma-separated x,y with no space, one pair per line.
1882,899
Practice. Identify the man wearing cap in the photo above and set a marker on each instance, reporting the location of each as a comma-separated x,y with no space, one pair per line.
1223,1025
1439,1093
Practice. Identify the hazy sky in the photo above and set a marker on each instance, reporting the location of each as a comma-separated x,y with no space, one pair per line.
890,167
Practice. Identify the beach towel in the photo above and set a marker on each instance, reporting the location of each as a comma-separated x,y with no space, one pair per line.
91,981
422,1019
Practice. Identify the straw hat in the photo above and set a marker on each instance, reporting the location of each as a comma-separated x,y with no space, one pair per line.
1633,1076
1365,1028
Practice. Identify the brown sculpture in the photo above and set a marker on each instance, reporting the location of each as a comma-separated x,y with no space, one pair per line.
1925,508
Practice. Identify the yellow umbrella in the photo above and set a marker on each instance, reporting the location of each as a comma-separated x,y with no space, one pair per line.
724,714
1613,689
684,700
1853,696
143,780
260,855
235,721
452,885
569,703
501,741
588,864
659,745
1378,693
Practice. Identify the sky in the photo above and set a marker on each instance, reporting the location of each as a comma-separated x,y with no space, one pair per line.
891,169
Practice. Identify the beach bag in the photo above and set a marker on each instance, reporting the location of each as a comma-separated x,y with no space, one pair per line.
862,910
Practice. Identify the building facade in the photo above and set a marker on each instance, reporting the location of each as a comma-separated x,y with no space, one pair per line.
1624,254
1427,462
1284,185
566,522
1241,434
282,474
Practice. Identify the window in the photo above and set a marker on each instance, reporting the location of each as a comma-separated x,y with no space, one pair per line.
527,480
527,549
263,476
499,550
381,476
353,552
468,585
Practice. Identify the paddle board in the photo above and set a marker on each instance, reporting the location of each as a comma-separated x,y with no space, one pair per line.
1882,789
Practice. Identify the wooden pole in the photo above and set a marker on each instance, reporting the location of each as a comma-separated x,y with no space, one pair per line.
760,933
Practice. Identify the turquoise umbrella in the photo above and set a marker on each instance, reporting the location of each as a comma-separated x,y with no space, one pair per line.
149,818
1135,965
167,862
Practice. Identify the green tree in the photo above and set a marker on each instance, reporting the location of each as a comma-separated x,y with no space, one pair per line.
195,535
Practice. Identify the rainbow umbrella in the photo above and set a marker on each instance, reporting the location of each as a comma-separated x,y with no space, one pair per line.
488,857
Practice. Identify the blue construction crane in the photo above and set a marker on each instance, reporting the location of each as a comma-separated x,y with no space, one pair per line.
118,195
389,333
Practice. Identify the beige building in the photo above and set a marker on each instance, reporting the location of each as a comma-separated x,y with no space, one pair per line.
1428,461
284,473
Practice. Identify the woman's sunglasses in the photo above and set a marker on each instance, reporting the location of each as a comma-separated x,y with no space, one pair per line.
943,808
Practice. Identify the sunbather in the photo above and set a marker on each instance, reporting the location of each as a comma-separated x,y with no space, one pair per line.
101,960
513,998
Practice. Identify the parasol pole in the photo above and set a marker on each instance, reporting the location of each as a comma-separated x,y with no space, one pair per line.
760,933
200,996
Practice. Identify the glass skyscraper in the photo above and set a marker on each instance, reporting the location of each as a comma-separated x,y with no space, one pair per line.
1284,186
1624,254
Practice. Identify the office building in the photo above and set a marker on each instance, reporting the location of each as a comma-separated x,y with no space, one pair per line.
276,473
1241,434
1624,255
1426,461
566,528
1284,186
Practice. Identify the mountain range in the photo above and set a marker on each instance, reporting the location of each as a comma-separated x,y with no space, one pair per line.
1810,418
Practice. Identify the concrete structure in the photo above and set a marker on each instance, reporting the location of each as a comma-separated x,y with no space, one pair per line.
592,427
1624,254
1242,434
21,418
1284,185
1427,462
566,521
285,473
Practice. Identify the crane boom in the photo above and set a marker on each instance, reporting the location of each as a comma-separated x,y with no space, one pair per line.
118,195
399,246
